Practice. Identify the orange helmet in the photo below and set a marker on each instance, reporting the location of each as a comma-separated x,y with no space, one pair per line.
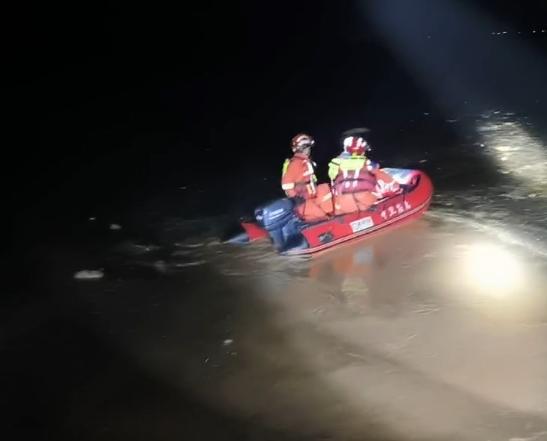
301,141
356,145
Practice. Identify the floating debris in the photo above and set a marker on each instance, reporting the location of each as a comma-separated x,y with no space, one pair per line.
160,266
193,263
89,275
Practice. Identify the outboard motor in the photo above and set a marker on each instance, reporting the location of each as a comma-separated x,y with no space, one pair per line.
280,221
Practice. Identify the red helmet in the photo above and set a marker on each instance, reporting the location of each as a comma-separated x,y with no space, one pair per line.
301,141
356,145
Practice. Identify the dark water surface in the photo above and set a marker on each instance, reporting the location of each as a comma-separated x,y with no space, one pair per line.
436,330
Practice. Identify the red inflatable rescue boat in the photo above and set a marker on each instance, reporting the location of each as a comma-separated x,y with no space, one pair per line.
291,236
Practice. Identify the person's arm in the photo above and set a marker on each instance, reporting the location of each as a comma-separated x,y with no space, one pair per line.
289,180
334,167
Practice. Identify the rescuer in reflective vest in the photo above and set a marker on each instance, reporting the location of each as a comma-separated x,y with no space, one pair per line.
356,181
298,181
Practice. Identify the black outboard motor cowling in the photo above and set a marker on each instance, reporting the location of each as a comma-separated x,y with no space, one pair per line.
275,214
280,221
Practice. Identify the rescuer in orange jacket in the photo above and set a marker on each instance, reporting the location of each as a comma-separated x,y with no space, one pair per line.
298,181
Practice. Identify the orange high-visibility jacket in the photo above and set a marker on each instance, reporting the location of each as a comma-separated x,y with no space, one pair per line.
298,177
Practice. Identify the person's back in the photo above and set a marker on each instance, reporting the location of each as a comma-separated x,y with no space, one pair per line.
354,177
298,181
298,175
351,175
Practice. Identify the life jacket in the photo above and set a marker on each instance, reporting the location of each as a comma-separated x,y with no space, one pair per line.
319,207
353,202
351,175
298,177
386,186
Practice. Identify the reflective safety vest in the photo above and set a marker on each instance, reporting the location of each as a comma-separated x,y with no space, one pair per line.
351,175
298,177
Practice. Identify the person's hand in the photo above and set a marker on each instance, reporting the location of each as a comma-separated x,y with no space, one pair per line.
372,165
